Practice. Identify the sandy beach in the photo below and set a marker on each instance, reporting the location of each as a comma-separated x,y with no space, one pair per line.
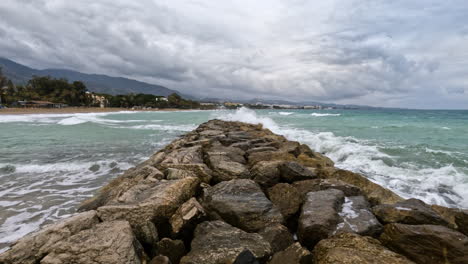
72,110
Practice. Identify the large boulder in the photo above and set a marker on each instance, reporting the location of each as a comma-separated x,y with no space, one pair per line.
294,254
106,243
356,217
411,211
266,173
270,156
278,236
323,184
187,217
199,170
216,242
242,203
286,198
33,247
319,216
350,248
189,155
293,171
426,243
225,168
150,203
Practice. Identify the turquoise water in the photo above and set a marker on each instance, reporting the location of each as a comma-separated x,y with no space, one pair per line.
50,163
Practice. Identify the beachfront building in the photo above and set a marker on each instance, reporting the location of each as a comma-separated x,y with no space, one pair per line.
38,104
161,99
98,100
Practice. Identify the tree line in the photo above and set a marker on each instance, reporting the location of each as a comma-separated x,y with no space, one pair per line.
46,88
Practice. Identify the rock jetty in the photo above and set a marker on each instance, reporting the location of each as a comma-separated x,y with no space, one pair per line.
232,192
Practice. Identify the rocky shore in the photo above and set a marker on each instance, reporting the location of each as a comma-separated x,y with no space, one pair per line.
231,192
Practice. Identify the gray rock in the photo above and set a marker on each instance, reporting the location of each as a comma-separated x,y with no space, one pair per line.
173,249
199,170
356,217
411,211
426,243
278,236
266,173
260,149
107,243
286,198
218,243
294,254
319,216
293,171
184,156
323,184
242,203
246,257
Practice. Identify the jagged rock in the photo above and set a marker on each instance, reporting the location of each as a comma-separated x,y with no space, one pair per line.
294,254
278,236
177,174
184,156
225,168
33,247
244,145
270,156
147,234
173,249
232,153
293,171
216,242
160,260
319,216
246,257
106,243
292,147
187,216
461,219
411,211
260,149
426,243
356,217
211,133
266,173
202,142
374,193
242,203
199,170
323,184
317,161
156,202
351,248
286,198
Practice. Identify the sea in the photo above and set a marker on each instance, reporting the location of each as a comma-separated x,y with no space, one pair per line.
50,163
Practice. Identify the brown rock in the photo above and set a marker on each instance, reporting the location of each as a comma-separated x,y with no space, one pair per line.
293,171
270,156
177,174
266,173
426,243
318,161
184,156
323,184
286,198
173,249
218,243
187,216
350,248
278,236
198,170
294,254
319,216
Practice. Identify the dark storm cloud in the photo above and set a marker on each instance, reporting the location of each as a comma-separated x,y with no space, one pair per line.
390,53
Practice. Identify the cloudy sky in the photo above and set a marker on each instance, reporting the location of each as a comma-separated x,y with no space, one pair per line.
396,53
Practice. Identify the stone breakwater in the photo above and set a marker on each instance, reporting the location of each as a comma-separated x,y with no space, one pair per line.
231,192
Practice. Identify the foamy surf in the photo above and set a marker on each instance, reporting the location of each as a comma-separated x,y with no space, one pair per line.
322,114
445,186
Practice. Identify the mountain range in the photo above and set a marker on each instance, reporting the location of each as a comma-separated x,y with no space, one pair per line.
21,74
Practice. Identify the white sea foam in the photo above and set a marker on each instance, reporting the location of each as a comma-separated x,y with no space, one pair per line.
406,179
165,127
446,128
322,114
285,113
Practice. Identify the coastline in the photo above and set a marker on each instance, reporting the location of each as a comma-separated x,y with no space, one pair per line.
77,110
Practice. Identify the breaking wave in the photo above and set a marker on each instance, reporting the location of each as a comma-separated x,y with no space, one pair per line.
321,114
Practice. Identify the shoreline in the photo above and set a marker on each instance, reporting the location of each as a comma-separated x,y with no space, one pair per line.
78,110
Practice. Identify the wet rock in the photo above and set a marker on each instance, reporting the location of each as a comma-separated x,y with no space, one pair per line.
286,198
147,234
351,248
266,173
356,217
246,257
293,171
319,216
108,242
294,254
292,147
461,219
216,242
173,249
270,156
323,184
156,202
374,193
411,211
278,236
426,243
242,203
33,247
187,216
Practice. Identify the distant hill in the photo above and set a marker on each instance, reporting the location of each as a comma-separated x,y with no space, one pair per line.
98,83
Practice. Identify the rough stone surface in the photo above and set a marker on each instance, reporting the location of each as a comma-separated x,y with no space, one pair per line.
177,174
323,184
461,219
266,173
242,203
411,211
173,249
293,171
278,236
106,243
33,247
350,248
216,242
160,260
187,216
246,257
294,254
270,156
426,243
225,168
286,198
319,216
356,217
